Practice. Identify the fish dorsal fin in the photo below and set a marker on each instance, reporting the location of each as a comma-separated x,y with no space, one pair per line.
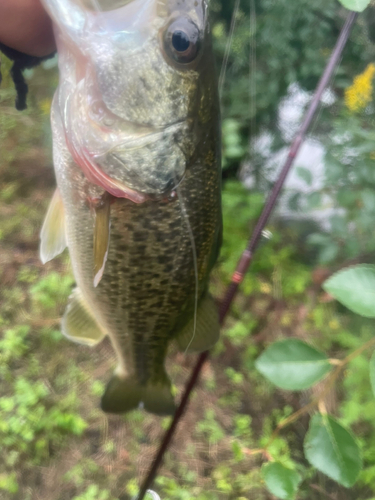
102,226
78,323
207,328
52,235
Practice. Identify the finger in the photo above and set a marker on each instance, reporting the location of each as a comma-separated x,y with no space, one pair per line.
25,26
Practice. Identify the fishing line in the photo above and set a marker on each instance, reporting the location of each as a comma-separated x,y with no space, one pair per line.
185,217
252,77
228,47
253,68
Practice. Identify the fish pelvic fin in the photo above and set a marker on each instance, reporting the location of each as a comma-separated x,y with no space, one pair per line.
78,323
202,332
52,235
126,394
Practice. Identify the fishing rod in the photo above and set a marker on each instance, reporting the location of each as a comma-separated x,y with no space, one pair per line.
253,243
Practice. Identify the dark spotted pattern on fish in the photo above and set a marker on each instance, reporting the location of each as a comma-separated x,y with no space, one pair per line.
147,293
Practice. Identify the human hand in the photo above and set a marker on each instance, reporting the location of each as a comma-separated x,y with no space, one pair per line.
25,26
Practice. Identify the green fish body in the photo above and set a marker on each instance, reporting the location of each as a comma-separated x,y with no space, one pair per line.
139,210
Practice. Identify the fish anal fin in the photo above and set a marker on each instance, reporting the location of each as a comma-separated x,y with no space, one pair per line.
207,328
52,235
78,323
124,394
101,237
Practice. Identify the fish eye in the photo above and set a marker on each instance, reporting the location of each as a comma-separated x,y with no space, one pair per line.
182,40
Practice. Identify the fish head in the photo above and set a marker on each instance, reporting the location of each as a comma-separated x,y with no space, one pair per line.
139,91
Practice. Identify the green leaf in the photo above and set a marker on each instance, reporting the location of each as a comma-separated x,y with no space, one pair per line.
320,239
281,481
354,287
294,201
332,450
293,365
305,174
314,200
368,199
329,253
356,5
372,372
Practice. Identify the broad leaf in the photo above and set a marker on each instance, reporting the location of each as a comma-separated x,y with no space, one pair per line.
372,372
293,365
314,200
329,253
294,201
356,5
368,200
354,287
305,174
332,450
281,481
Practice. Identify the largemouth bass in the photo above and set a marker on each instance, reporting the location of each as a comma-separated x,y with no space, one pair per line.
136,143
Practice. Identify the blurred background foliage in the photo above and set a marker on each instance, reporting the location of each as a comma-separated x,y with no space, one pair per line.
56,444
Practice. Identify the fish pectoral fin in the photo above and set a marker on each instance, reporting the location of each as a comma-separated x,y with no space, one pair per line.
78,323
101,237
52,235
126,394
207,328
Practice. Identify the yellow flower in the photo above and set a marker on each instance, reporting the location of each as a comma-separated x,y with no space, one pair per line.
266,288
359,94
334,324
286,319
